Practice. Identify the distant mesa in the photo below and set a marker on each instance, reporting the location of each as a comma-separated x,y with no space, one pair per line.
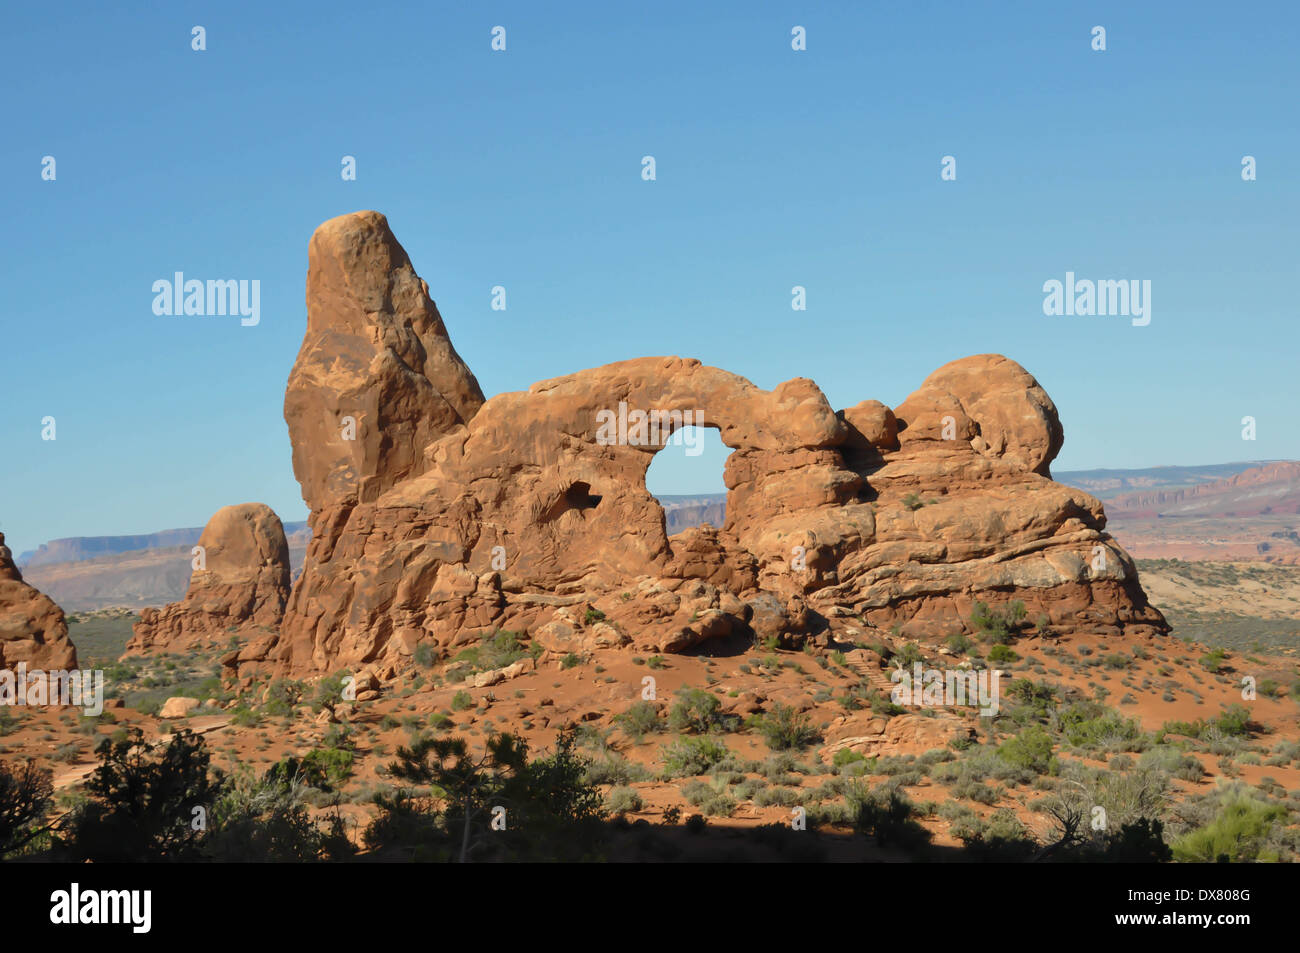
79,548
1251,515
147,570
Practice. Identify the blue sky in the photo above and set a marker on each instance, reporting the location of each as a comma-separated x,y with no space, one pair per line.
775,168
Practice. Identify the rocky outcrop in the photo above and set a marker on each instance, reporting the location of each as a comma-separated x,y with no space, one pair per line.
32,628
240,582
448,516
376,379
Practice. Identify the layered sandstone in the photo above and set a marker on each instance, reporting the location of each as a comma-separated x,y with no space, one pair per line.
448,517
240,583
32,628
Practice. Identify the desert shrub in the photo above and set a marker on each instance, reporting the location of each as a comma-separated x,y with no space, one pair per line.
329,691
615,769
959,644
692,755
1031,749
784,728
908,655
498,650
1138,842
1003,654
1173,762
266,820
245,717
1238,834
639,720
1212,661
142,799
67,753
1235,721
25,795
699,711
713,801
977,791
847,756
885,814
461,701
425,655
778,796
450,798
1092,726
623,800
1001,838
326,768
282,695
995,626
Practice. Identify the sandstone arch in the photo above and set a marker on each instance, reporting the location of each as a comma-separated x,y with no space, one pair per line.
889,520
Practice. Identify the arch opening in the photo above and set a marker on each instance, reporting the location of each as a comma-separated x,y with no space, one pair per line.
686,477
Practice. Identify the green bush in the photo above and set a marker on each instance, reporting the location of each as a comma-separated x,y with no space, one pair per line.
995,626
623,800
553,812
329,691
1003,654
462,700
282,695
142,800
847,756
959,644
425,655
1090,725
698,711
1213,660
639,720
1237,835
692,755
886,815
784,728
1031,749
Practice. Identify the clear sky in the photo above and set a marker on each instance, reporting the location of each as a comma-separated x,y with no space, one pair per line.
522,168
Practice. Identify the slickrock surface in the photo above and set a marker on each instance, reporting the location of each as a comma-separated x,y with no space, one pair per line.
32,627
245,585
903,517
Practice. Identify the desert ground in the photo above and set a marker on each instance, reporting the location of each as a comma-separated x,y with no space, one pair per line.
1127,723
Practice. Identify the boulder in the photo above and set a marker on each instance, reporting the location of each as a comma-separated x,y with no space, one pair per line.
241,588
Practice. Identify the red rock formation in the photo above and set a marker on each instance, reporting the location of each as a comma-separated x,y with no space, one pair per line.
32,627
453,516
243,586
